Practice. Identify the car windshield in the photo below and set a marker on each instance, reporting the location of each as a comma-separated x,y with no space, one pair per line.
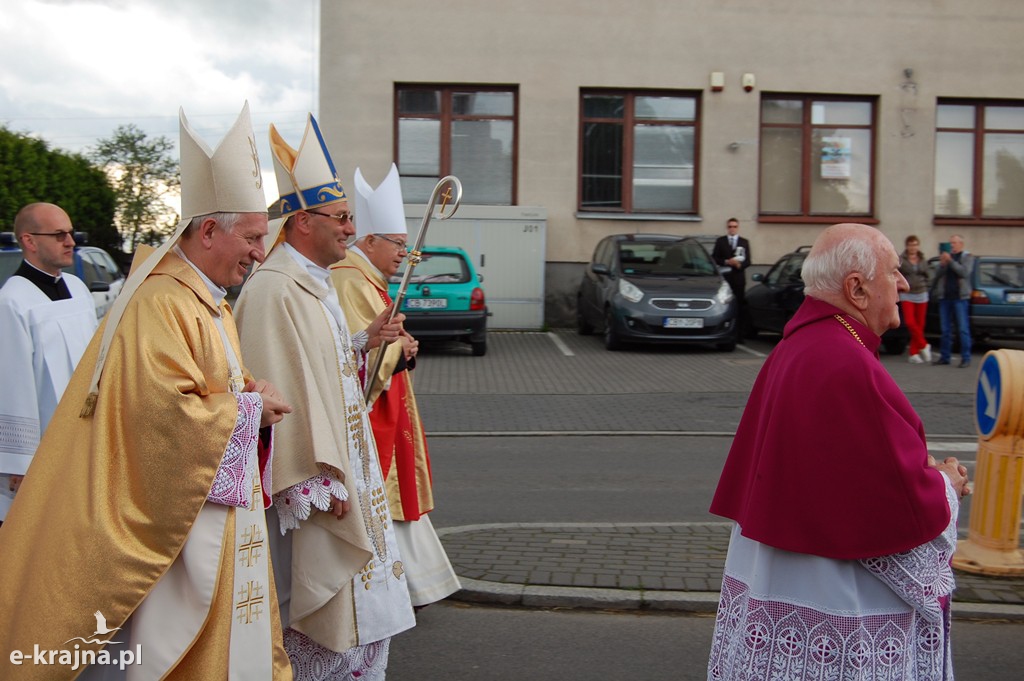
437,268
685,258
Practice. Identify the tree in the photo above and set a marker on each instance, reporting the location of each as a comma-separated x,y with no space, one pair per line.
30,171
143,176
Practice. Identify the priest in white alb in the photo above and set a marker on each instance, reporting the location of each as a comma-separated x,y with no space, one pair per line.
47,318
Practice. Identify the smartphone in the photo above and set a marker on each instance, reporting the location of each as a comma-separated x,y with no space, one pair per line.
945,247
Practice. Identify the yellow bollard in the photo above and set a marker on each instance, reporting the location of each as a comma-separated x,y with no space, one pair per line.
993,541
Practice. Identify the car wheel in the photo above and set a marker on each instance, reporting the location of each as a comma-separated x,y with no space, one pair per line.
583,327
612,340
479,347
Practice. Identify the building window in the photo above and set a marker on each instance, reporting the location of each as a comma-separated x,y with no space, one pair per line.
817,157
466,131
638,152
979,160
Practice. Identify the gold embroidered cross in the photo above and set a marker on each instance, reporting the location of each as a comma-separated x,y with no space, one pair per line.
256,505
250,602
252,545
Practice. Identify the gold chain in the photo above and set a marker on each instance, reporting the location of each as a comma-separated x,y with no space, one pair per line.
849,328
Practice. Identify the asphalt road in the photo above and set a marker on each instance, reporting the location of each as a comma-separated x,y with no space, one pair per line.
552,428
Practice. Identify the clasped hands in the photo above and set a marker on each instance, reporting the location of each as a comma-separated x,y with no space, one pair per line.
274,405
955,471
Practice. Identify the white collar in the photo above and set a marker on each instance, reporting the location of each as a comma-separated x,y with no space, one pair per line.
55,277
321,274
216,291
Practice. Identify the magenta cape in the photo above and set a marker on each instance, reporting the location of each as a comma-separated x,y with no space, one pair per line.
830,458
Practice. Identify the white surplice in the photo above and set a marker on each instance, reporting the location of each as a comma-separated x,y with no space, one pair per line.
792,615
41,341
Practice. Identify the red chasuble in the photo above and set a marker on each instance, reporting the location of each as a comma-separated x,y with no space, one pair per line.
830,459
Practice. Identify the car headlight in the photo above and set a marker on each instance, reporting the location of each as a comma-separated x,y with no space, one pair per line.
724,295
630,292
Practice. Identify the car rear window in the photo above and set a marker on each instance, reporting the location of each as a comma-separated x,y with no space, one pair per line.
1009,274
438,268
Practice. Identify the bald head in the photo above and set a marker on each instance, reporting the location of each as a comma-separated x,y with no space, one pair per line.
45,234
856,268
37,217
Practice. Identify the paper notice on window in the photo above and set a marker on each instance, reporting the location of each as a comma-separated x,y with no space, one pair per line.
835,157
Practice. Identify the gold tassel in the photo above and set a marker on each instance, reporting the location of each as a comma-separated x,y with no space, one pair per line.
89,407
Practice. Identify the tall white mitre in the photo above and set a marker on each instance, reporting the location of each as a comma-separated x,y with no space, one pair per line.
380,210
222,180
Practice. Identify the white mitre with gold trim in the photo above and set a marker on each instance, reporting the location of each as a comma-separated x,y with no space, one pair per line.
222,180
380,210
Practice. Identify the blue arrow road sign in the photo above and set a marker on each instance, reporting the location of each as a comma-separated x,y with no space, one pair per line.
989,396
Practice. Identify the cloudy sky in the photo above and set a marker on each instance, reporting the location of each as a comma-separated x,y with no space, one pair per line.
74,70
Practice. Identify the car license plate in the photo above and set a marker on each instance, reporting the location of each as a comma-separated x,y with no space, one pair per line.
1015,297
426,303
683,323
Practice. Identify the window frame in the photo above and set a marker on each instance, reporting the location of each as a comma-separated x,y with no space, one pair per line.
446,116
629,122
977,217
807,161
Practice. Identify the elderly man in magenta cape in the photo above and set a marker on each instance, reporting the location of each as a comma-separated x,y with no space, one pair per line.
838,564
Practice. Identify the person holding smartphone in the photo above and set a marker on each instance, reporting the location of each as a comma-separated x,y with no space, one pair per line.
954,291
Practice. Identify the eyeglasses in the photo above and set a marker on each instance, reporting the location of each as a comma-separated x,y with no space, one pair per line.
60,236
342,218
402,246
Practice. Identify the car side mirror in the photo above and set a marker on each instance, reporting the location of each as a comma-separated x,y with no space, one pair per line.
479,277
99,287
757,276
600,268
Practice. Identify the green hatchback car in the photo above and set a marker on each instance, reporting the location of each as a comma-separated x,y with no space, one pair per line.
444,300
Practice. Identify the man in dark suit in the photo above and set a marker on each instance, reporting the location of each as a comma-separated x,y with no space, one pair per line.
732,255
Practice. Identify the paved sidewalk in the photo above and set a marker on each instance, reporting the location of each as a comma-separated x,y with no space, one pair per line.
656,566
533,383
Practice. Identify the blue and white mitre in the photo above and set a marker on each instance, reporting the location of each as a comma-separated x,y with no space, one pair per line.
306,178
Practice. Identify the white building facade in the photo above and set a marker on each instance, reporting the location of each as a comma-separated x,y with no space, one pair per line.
673,116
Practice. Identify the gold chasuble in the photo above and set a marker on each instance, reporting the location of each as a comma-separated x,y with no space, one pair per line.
401,445
110,499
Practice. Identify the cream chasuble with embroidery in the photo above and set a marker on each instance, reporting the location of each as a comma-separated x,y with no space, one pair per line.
346,578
